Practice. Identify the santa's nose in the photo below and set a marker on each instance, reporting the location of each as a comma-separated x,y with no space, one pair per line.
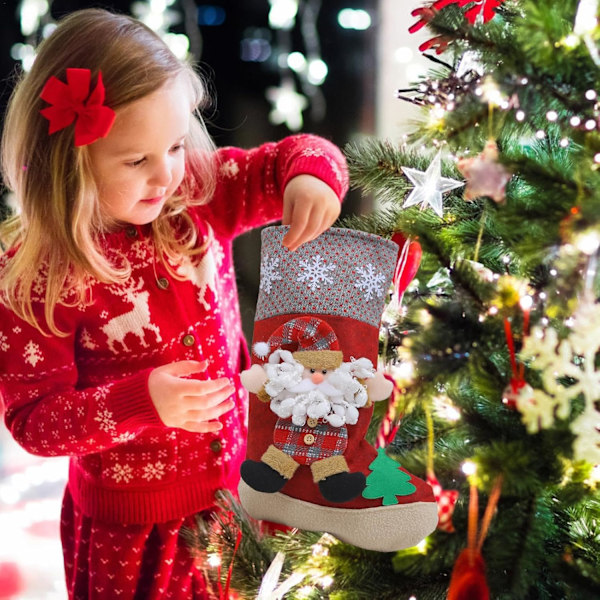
317,377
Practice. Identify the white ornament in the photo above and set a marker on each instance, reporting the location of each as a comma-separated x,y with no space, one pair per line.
269,273
429,186
315,272
370,282
574,359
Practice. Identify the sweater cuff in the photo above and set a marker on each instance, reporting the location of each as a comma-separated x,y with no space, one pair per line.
131,404
326,170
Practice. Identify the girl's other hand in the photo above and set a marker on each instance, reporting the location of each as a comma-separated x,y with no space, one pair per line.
310,207
186,403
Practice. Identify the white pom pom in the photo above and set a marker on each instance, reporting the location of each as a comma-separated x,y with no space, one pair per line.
261,349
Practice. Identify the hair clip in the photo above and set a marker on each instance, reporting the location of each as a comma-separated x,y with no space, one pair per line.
74,102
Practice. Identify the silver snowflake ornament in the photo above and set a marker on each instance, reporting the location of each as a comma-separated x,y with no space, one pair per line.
429,186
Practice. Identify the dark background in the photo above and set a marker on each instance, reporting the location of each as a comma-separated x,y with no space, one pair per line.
239,114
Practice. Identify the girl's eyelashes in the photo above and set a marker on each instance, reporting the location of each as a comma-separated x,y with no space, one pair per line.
139,161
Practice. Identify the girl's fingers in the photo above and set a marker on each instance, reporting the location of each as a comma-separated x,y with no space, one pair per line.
184,367
202,427
209,414
194,387
305,227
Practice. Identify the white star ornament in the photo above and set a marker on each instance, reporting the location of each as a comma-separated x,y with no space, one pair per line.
429,186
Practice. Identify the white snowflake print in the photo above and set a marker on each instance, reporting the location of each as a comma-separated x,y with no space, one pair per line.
154,471
312,152
315,272
16,329
336,170
4,345
269,273
104,314
122,473
107,423
86,340
123,437
370,282
230,168
32,354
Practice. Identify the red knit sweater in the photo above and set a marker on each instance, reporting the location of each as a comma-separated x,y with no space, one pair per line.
86,395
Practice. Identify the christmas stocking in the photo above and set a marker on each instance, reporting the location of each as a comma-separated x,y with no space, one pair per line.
313,384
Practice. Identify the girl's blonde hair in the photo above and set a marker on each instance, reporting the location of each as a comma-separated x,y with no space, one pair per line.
57,232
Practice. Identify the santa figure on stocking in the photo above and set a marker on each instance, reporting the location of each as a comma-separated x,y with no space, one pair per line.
315,395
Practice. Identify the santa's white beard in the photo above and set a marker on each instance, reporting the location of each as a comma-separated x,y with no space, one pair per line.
336,405
336,400
307,385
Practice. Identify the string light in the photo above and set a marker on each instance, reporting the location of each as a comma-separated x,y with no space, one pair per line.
444,409
588,242
469,468
526,302
357,19
325,581
214,560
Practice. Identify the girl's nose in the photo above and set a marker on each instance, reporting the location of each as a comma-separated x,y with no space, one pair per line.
161,176
317,377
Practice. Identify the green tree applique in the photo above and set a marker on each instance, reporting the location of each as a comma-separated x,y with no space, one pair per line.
386,480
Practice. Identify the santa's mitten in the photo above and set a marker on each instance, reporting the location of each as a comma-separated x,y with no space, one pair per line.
313,384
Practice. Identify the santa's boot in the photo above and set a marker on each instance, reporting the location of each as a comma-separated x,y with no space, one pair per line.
271,473
335,481
312,386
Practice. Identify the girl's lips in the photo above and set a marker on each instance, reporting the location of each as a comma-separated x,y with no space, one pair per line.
152,200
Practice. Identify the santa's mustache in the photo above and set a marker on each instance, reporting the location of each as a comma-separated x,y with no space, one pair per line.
306,385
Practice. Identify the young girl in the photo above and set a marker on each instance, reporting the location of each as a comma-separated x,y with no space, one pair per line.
120,338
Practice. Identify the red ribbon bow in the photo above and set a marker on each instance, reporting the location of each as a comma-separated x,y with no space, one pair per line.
74,102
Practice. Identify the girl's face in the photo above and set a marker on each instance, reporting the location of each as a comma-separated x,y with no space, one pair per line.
140,163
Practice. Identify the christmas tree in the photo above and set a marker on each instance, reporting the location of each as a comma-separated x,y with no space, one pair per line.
495,346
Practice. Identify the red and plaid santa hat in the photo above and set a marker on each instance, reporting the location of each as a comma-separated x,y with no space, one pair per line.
312,342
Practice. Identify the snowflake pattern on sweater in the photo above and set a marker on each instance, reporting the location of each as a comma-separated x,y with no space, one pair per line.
85,395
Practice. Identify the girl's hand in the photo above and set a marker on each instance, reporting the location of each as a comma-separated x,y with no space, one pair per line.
188,403
310,206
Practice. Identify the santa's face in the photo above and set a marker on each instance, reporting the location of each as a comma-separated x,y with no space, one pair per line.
301,392
316,379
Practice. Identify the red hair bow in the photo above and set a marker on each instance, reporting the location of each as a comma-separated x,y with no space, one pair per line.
74,102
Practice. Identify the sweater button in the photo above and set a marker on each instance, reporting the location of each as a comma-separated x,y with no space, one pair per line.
188,340
309,439
162,283
216,446
312,422
131,232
